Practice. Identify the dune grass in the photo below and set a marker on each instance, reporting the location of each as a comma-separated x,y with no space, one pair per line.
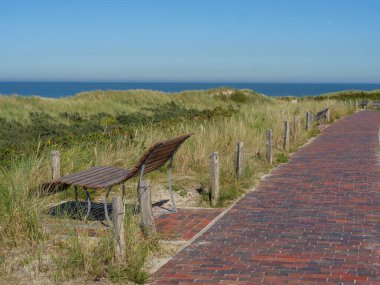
114,128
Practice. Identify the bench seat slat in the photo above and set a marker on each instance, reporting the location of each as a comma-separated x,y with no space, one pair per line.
90,178
88,174
104,176
80,173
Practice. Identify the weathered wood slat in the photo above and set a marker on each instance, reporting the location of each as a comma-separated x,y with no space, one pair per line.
323,115
164,148
88,174
69,176
160,155
157,147
154,166
102,179
107,183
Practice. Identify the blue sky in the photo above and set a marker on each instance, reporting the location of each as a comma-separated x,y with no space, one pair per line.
190,40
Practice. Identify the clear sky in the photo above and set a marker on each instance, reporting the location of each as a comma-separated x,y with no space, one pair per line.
190,40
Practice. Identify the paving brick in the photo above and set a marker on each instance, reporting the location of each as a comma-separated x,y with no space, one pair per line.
315,220
185,224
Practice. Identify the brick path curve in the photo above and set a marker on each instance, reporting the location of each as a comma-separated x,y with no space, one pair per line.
316,220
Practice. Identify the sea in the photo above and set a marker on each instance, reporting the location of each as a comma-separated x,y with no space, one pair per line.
65,89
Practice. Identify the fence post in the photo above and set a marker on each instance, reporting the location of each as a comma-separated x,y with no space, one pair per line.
55,164
356,104
350,104
118,214
214,176
286,135
328,115
147,221
268,143
239,159
307,121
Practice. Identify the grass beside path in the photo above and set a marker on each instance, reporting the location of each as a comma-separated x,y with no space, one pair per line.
114,128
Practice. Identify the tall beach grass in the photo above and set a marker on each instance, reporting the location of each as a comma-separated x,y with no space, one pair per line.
217,118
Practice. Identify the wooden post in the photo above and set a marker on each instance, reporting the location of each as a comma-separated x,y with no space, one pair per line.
356,104
239,159
350,103
307,121
55,164
214,176
118,214
268,143
328,115
286,135
147,222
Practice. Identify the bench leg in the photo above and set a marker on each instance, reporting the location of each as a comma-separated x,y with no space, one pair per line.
174,209
76,200
107,220
88,205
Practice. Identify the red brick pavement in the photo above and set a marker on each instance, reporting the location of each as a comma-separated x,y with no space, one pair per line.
185,224
316,220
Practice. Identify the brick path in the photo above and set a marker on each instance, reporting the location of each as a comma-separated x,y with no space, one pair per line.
185,224
316,220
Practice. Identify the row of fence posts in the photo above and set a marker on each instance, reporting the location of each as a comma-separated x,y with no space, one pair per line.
239,162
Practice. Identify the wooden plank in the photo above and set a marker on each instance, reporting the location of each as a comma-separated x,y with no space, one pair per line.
88,175
307,117
118,214
103,177
164,149
163,146
153,167
147,222
111,181
80,173
85,175
214,177
160,155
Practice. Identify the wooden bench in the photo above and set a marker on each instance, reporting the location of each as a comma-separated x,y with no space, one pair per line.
106,177
322,115
363,103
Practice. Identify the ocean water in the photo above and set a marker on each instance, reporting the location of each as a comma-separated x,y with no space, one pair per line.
63,89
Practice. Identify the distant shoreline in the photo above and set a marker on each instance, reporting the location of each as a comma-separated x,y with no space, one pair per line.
65,89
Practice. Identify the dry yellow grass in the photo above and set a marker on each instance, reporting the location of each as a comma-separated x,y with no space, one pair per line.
21,203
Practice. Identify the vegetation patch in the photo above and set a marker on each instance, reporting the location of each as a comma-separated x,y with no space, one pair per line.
115,128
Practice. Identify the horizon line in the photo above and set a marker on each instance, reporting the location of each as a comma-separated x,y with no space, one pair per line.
184,82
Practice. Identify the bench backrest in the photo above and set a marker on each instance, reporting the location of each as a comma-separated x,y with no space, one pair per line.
322,114
157,155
